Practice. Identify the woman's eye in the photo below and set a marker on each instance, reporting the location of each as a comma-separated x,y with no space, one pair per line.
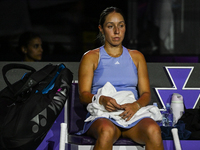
110,26
36,46
121,26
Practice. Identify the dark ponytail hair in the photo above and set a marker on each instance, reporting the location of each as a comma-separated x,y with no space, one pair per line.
102,19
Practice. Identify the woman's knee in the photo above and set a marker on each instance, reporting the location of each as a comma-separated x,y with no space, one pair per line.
106,130
154,137
153,131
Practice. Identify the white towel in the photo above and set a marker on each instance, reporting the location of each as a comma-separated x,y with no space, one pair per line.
122,97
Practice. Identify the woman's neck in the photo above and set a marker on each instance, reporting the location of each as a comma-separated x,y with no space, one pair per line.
28,59
113,51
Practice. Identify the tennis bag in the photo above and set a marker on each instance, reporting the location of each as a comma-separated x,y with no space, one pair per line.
29,107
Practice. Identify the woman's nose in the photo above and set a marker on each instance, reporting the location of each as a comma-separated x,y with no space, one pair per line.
116,30
41,49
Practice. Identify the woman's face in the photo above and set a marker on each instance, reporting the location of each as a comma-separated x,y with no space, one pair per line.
33,52
114,29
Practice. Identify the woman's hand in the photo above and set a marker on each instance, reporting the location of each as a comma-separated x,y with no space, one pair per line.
109,103
129,110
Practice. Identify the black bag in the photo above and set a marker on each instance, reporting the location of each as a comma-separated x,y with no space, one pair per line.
29,107
191,118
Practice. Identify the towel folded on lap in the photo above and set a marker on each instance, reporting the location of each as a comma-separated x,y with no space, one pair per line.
122,97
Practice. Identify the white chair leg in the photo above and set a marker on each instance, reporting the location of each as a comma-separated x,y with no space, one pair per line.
63,136
176,139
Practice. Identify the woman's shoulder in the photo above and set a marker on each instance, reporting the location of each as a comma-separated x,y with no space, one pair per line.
137,57
91,55
135,53
92,52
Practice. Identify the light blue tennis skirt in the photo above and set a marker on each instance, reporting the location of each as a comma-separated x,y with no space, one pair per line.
88,124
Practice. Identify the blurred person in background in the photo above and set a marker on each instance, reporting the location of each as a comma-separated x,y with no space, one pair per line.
30,47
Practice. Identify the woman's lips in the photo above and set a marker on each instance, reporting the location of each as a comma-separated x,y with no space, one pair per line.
116,38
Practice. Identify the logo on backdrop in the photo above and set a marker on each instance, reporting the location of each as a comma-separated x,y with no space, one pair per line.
179,77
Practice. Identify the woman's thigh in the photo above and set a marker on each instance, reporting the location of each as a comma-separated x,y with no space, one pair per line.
103,125
142,131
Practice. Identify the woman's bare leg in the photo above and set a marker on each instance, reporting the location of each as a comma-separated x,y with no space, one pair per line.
105,132
146,132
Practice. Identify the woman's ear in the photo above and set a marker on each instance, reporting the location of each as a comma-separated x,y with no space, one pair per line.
24,50
101,29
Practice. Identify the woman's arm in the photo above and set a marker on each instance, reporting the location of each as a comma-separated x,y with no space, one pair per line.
87,66
143,78
143,86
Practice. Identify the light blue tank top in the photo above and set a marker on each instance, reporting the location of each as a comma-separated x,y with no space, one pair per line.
120,71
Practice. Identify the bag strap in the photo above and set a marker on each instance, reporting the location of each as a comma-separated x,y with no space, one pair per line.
34,78
11,66
37,77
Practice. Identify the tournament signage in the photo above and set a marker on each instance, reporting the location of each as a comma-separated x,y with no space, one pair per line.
179,77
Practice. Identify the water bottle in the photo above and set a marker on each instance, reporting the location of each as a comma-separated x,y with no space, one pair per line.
177,106
155,104
167,116
168,108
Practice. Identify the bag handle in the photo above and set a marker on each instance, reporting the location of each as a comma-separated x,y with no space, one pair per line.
36,77
11,66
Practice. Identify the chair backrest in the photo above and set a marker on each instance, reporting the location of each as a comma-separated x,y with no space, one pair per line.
76,111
